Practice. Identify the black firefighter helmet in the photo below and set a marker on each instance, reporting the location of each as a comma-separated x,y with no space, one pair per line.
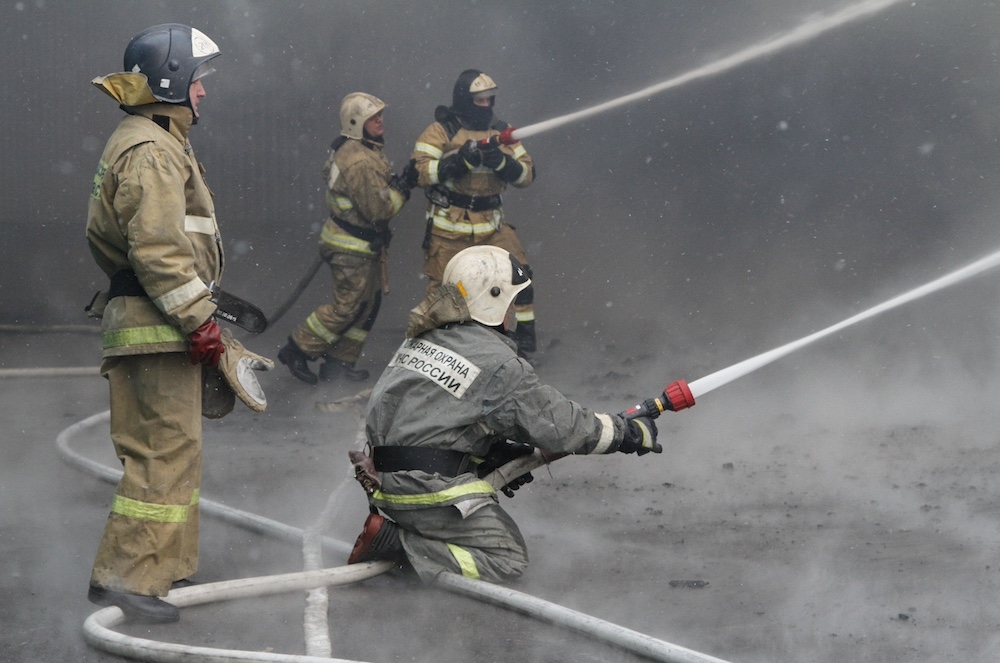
172,57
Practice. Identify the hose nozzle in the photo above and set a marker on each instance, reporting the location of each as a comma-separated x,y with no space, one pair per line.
505,137
678,395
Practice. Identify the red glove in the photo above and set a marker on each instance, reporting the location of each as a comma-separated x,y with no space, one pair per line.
206,344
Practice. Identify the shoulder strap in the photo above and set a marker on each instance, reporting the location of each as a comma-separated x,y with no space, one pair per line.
447,119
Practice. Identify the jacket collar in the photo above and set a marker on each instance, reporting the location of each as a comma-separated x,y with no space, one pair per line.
442,306
173,118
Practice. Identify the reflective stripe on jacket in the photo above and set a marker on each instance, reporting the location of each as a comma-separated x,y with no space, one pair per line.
152,212
433,144
357,176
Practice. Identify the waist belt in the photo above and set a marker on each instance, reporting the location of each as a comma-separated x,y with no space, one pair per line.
433,461
124,283
439,195
377,238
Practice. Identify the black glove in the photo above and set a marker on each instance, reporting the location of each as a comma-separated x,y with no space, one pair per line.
640,437
397,184
510,170
501,452
516,483
470,154
410,174
458,164
493,157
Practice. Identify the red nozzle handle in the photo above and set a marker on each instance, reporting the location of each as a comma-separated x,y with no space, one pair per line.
679,395
505,137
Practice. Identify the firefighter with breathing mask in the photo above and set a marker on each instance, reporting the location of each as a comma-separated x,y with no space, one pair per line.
463,180
363,195
455,403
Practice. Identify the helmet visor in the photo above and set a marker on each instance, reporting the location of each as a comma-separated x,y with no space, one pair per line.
202,70
487,95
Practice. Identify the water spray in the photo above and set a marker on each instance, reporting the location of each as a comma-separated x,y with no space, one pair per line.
725,376
805,32
680,395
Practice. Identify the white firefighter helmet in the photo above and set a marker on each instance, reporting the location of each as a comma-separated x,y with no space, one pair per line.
356,109
489,278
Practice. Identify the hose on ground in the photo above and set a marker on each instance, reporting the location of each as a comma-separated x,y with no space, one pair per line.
98,627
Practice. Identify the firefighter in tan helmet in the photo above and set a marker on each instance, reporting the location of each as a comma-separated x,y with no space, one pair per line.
463,181
363,195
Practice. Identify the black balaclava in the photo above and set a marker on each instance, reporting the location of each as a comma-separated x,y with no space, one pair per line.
472,116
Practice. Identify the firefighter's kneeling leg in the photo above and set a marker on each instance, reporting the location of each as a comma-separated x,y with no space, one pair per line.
486,545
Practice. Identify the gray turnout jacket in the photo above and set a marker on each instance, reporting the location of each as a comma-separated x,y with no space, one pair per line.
454,384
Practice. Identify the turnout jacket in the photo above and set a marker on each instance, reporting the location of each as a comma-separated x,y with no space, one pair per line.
443,138
151,212
454,384
357,176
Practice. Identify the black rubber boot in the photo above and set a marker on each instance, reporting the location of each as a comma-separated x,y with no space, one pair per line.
334,368
136,607
297,362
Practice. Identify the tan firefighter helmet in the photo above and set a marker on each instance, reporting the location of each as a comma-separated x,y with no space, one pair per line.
356,109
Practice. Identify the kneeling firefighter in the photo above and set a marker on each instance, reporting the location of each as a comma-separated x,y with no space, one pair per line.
455,402
363,195
151,227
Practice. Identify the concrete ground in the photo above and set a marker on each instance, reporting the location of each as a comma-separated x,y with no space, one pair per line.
827,522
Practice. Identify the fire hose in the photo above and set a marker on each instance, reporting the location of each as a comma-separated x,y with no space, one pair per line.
680,395
98,627
299,289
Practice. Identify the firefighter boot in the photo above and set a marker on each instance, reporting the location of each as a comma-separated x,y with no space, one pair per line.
332,368
379,539
136,607
297,362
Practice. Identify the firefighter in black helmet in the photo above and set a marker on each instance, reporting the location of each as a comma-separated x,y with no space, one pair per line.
152,230
463,181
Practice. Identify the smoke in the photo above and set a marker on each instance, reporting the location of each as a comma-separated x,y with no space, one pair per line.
669,239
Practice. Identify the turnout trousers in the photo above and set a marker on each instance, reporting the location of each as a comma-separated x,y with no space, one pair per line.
485,545
340,328
151,535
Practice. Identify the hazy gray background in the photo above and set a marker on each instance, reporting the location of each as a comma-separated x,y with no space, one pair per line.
823,496
738,212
